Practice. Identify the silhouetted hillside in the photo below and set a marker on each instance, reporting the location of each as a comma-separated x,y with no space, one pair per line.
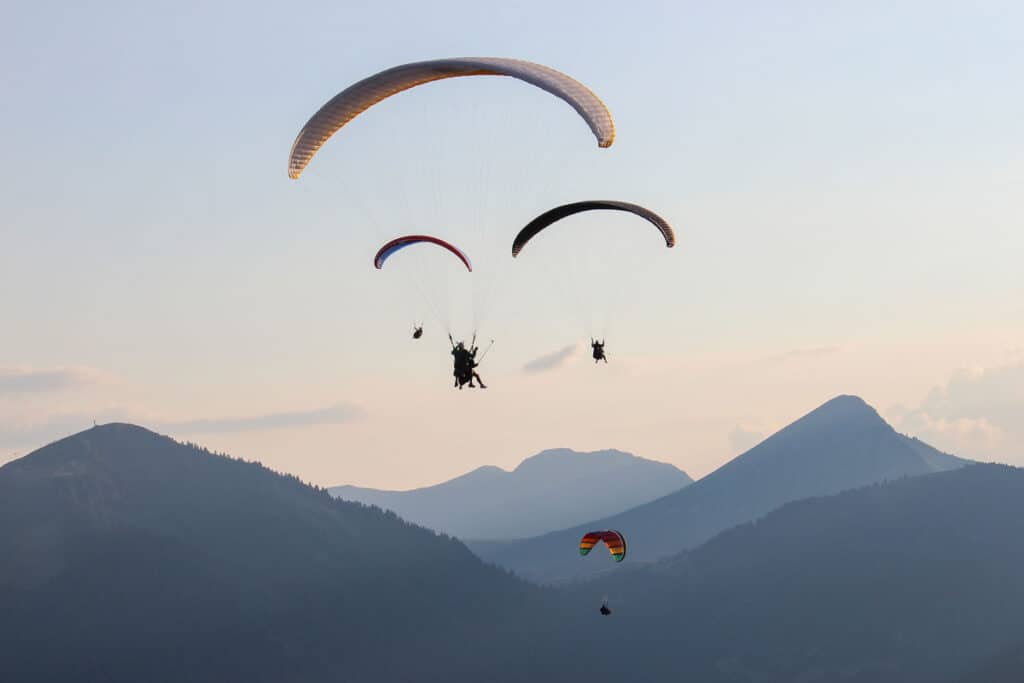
903,582
841,445
1006,666
125,556
551,490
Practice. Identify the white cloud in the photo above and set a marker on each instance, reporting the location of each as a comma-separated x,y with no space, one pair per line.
336,414
21,381
996,394
30,434
742,439
978,413
550,361
969,437
35,433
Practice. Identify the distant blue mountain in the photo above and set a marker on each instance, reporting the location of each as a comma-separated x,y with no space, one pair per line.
841,445
551,490
911,581
125,556
1005,666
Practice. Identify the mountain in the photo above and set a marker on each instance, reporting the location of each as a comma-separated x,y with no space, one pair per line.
841,445
551,490
1006,666
909,581
125,556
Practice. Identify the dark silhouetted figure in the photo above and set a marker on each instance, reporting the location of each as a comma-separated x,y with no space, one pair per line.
598,347
472,366
463,369
465,365
417,331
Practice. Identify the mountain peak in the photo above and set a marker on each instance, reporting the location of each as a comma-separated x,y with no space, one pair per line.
842,444
844,408
553,489
844,440
120,540
106,442
846,402
846,405
113,430
558,458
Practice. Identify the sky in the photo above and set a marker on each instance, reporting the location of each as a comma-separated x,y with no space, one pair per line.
843,178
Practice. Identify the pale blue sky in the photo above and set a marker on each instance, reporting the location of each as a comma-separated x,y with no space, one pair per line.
843,177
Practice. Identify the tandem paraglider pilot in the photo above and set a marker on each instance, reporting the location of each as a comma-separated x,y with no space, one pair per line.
465,365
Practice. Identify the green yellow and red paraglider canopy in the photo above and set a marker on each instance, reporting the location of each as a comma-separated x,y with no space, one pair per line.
615,541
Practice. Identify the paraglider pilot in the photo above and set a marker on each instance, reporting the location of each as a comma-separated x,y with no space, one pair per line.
604,608
465,365
598,347
417,331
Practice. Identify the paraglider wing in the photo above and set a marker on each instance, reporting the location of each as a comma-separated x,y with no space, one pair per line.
615,541
402,242
559,212
357,98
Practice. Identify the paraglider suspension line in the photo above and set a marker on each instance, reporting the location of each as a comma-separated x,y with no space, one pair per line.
484,354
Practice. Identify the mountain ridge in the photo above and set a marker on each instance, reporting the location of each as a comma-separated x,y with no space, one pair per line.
902,581
118,540
180,564
546,491
842,444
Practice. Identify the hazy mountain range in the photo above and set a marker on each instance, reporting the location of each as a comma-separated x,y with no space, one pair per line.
1006,666
914,580
125,556
841,445
552,490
